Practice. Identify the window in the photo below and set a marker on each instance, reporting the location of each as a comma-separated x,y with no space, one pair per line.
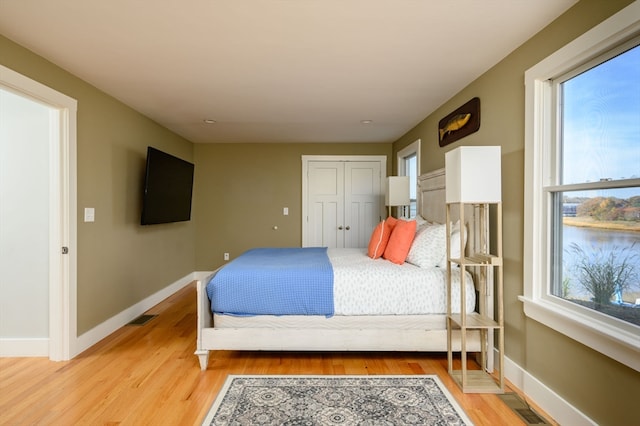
595,205
409,165
582,189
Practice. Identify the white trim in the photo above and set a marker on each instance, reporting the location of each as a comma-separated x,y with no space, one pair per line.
413,147
407,151
611,341
382,158
622,26
18,347
99,332
63,216
620,345
553,404
27,347
69,219
58,339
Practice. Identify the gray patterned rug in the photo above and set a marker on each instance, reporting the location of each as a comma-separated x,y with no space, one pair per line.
335,400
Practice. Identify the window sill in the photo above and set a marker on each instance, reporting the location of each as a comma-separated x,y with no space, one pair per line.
618,344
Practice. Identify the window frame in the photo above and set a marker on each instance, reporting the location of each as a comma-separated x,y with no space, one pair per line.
541,169
413,149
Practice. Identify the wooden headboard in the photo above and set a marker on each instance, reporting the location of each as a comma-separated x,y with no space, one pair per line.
431,206
431,196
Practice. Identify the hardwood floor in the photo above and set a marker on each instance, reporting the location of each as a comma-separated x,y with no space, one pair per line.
148,375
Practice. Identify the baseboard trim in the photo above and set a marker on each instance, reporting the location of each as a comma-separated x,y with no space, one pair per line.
24,347
553,404
93,336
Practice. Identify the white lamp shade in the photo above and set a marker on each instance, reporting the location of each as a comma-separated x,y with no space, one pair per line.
473,175
397,193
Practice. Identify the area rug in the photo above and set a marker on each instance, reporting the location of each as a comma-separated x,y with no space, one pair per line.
335,400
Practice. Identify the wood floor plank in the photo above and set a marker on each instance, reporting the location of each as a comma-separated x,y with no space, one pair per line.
148,375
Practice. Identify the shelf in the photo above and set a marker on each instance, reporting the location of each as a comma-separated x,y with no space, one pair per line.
475,320
479,259
478,381
483,259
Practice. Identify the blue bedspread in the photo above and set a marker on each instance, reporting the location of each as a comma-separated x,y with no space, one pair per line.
275,281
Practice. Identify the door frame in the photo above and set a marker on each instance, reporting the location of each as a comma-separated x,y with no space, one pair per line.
306,159
62,207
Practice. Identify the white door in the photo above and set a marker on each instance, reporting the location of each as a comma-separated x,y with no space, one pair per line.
362,201
342,200
326,204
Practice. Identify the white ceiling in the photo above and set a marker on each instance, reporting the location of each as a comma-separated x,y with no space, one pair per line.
278,70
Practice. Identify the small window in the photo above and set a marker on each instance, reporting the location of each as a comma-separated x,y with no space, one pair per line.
408,165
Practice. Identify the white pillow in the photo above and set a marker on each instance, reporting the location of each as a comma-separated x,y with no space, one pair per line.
455,244
429,246
421,221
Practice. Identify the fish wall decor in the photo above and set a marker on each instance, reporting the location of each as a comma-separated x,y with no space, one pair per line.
460,123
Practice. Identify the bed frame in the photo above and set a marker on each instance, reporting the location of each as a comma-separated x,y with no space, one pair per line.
432,207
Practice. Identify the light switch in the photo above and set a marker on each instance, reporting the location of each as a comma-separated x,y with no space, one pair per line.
285,211
89,214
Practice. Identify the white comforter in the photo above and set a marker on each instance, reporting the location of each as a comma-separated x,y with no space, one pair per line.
363,286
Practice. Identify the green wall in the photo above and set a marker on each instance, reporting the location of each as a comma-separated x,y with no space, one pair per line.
241,189
120,262
603,389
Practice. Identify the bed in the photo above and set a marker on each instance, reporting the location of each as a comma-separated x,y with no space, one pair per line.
406,314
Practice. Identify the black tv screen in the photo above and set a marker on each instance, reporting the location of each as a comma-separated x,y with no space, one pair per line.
168,186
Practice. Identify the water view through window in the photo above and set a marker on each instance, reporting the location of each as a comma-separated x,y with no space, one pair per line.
596,206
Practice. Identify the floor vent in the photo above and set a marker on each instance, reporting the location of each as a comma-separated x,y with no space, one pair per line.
522,409
142,319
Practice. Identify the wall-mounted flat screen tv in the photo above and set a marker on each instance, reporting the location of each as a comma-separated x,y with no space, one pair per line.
168,187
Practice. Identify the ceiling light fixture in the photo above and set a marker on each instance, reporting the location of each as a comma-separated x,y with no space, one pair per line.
366,121
209,121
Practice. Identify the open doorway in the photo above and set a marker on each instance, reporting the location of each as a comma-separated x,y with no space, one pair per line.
37,219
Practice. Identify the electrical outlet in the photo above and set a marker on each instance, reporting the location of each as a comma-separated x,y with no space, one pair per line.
226,256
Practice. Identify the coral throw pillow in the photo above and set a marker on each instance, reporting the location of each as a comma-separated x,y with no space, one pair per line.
400,241
380,237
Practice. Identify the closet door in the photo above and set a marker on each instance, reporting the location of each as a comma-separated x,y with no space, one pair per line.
326,204
343,203
362,195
